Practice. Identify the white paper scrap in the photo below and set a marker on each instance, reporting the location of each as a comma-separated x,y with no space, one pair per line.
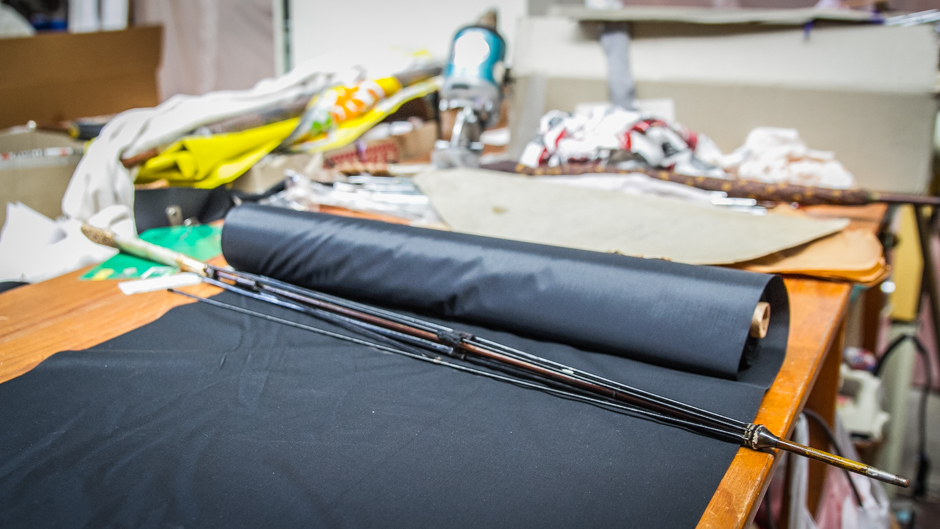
139,286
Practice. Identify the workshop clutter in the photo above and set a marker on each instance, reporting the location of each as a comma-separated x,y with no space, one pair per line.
340,114
631,140
778,155
332,119
346,102
623,139
346,151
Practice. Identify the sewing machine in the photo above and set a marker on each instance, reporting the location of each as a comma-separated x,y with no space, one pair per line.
472,91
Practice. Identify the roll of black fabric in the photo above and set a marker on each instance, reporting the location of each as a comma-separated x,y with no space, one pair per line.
694,318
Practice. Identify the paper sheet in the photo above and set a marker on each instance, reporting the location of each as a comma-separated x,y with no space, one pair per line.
34,248
511,207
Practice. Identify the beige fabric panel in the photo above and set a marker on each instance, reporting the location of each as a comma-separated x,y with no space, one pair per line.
511,207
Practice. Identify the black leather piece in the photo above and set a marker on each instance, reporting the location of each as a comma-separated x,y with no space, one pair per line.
10,285
204,205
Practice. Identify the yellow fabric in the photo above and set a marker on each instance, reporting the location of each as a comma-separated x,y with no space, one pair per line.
211,161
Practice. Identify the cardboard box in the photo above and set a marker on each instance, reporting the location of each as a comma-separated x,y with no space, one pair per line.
62,76
866,92
38,182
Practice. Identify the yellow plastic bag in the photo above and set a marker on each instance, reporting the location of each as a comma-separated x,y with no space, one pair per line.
350,130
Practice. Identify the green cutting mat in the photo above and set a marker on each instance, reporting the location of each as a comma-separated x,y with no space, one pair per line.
201,242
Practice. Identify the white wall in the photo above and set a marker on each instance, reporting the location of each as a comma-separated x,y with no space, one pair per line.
321,26
850,58
211,44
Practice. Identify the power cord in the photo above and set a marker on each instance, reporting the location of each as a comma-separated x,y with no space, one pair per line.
923,462
817,418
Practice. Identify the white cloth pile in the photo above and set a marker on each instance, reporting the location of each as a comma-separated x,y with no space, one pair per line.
622,139
780,156
630,140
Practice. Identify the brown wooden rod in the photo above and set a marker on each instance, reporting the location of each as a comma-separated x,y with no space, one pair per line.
763,191
138,159
570,379
756,437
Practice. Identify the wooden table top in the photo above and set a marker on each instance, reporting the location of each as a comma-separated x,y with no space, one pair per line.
37,321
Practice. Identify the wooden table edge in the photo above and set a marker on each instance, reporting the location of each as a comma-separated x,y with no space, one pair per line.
750,470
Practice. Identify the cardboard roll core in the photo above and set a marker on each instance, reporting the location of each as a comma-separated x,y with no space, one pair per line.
760,322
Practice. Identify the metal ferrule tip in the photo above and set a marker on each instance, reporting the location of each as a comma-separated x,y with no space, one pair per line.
887,477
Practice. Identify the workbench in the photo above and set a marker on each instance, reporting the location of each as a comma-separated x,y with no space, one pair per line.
37,321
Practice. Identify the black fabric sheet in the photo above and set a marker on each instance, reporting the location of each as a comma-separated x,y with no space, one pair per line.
207,418
211,418
695,318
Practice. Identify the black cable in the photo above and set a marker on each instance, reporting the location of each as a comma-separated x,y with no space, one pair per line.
733,435
892,346
259,282
336,319
923,462
727,421
769,505
302,295
835,446
289,323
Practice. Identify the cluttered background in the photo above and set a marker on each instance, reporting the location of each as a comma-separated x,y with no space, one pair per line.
733,133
